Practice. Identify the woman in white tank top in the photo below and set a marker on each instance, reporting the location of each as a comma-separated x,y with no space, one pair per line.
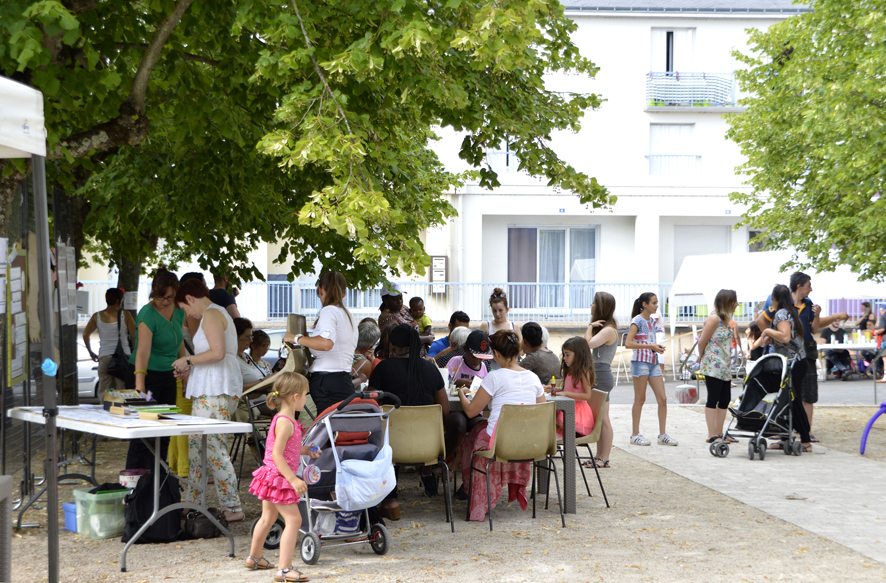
106,322
214,386
498,302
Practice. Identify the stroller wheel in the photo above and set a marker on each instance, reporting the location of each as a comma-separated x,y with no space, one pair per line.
713,450
272,541
378,539
797,447
310,548
722,449
751,449
761,448
788,447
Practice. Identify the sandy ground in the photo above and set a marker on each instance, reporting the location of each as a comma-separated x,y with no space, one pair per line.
661,527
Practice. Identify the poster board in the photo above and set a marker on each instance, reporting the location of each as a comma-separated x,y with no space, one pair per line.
16,316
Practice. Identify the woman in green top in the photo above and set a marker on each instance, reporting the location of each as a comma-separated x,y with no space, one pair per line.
158,342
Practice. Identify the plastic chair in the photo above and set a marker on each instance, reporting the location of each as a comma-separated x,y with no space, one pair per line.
622,366
524,433
586,441
416,438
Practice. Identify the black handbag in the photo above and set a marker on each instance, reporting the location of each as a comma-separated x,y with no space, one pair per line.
197,525
119,366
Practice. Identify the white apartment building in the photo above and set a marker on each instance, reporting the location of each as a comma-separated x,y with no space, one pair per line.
658,143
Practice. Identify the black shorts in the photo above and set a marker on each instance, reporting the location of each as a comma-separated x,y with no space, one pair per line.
809,387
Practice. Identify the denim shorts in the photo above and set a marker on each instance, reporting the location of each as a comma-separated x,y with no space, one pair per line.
645,369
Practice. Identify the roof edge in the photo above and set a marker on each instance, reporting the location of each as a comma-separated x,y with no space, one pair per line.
672,11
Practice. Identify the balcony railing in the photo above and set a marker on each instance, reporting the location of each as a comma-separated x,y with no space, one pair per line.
690,89
537,302
503,162
674,164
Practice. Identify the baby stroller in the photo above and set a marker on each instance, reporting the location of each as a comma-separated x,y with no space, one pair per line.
355,475
764,408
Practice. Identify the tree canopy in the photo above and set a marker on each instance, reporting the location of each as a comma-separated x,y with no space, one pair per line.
814,135
217,125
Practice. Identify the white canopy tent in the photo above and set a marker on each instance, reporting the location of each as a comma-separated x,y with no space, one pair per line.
23,135
753,275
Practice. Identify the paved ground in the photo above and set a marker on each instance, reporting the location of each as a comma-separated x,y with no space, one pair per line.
830,493
833,392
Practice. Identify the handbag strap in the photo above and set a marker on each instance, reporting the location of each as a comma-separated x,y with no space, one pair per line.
119,339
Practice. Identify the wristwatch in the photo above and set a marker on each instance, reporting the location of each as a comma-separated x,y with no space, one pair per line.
297,336
188,360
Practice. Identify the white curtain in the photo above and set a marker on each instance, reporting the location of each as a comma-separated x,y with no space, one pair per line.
551,255
581,255
683,51
658,52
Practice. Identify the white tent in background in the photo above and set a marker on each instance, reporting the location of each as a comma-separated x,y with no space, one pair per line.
23,135
753,275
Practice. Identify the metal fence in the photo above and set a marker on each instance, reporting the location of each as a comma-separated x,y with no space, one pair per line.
674,164
674,88
538,302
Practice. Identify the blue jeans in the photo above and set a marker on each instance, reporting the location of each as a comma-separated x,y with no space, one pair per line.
839,358
645,369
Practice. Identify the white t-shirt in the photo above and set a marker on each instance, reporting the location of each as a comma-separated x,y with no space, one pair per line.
509,387
334,324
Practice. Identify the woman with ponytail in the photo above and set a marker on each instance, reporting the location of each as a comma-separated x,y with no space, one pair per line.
332,343
417,383
645,367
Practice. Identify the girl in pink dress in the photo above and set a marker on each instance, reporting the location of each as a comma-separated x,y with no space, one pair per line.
277,483
577,370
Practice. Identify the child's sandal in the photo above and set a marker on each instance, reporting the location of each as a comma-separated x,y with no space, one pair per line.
283,575
256,564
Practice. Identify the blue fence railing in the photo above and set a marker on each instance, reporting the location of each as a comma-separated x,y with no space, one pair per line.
539,302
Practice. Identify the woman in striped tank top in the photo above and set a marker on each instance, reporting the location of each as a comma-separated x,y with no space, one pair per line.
645,367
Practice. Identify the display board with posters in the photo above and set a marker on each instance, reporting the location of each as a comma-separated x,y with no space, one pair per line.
16,315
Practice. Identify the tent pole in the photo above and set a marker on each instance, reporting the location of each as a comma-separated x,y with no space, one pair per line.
47,338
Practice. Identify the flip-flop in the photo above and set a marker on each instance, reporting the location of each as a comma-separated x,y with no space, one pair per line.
813,439
776,445
730,439
714,439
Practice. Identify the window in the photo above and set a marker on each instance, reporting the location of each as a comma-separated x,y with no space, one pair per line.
552,256
755,247
671,51
672,150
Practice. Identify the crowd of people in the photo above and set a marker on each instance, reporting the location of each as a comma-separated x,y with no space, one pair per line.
192,348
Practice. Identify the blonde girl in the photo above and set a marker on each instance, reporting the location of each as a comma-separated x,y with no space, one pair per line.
277,483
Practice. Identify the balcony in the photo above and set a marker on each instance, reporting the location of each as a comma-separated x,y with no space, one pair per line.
503,162
696,92
674,165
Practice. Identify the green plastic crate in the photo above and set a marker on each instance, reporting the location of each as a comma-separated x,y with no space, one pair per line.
100,515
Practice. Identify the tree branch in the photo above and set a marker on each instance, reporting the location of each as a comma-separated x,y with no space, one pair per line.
130,127
152,54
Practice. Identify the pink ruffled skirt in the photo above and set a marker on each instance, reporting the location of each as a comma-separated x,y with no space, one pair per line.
584,419
268,484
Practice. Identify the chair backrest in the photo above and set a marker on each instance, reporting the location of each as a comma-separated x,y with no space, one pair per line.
416,434
525,432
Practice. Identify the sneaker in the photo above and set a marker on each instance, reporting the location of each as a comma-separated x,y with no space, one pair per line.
665,439
639,440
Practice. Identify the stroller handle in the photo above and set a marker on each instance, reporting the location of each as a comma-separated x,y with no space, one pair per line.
370,395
